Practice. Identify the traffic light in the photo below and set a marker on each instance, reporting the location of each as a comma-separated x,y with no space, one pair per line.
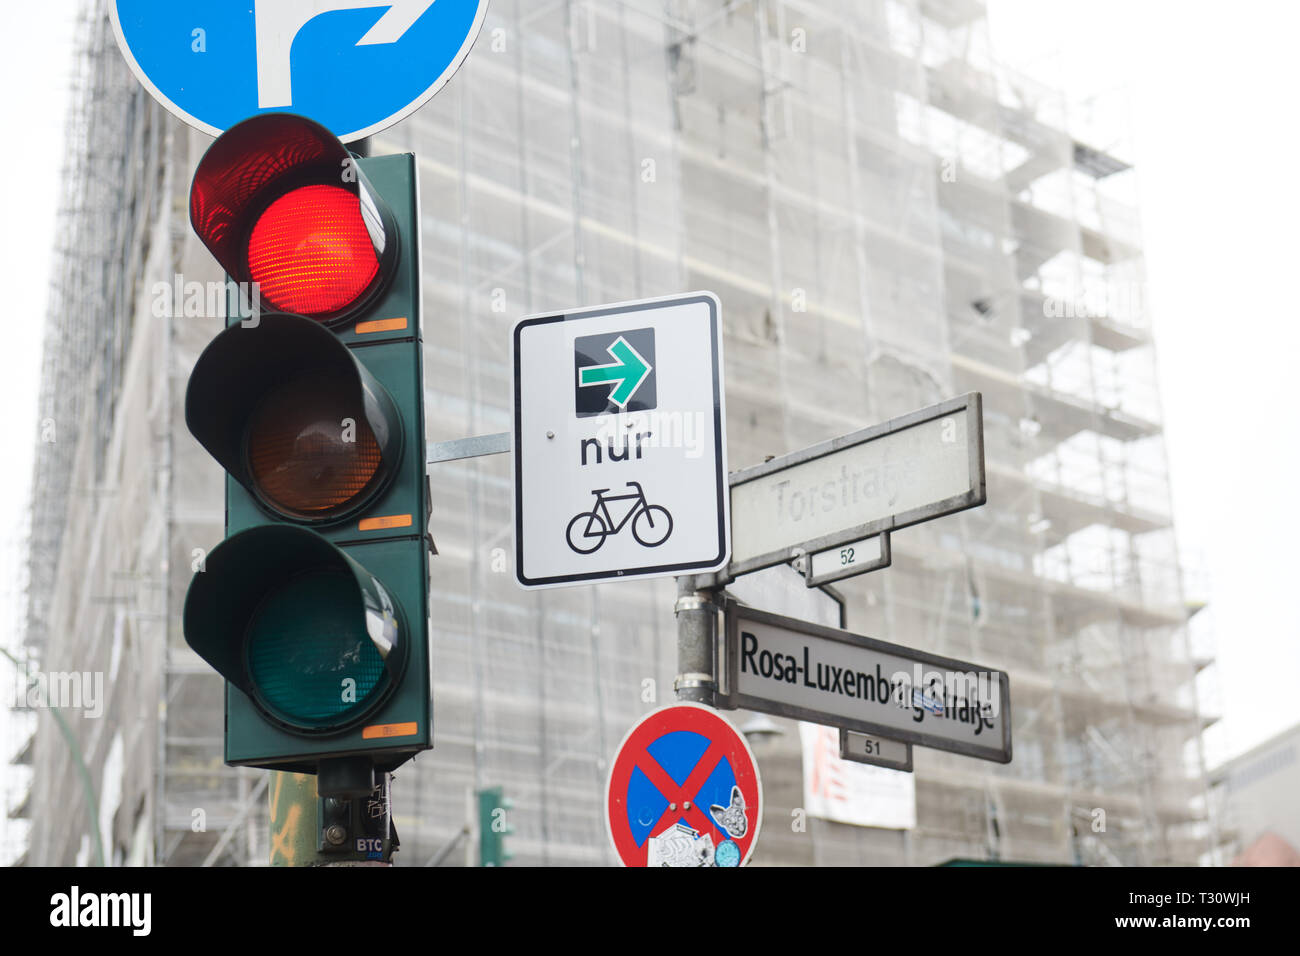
314,608
493,827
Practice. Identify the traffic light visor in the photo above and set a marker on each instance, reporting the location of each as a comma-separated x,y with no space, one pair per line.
294,418
280,202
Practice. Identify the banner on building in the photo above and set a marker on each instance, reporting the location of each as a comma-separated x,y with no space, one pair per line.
855,793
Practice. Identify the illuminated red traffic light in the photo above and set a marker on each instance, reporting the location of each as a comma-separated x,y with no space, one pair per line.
280,202
310,252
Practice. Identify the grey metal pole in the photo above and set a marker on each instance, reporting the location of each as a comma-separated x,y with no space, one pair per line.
697,631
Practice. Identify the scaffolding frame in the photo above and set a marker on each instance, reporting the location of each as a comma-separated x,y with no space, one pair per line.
889,218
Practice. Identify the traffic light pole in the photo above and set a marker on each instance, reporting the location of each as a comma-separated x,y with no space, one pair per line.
293,820
309,831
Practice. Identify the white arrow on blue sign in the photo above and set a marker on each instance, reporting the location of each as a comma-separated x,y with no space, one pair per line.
355,66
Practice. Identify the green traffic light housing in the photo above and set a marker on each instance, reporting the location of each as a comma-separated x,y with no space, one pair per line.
315,607
314,648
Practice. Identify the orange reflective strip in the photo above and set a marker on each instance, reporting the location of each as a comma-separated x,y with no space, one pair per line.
390,521
390,730
381,325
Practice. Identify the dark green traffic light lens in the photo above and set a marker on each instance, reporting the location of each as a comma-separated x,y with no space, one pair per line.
309,657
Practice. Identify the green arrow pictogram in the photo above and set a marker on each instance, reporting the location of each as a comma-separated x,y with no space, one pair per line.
630,370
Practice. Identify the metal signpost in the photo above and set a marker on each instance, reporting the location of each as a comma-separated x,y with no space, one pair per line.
620,442
792,668
908,470
355,66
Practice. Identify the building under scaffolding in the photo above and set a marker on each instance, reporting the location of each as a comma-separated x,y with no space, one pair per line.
888,219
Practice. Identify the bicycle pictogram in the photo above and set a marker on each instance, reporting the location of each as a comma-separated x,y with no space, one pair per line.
651,524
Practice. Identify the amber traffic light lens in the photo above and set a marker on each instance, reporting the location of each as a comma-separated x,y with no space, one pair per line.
310,252
310,450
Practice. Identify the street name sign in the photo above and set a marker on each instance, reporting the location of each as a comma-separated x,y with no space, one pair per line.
354,66
877,751
683,790
792,668
910,469
620,442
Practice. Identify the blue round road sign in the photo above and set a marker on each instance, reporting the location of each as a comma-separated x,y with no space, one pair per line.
683,790
355,66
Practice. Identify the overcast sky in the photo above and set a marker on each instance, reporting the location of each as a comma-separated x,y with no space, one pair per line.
1212,88
35,66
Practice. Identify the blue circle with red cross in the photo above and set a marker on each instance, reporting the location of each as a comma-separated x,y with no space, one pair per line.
683,766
